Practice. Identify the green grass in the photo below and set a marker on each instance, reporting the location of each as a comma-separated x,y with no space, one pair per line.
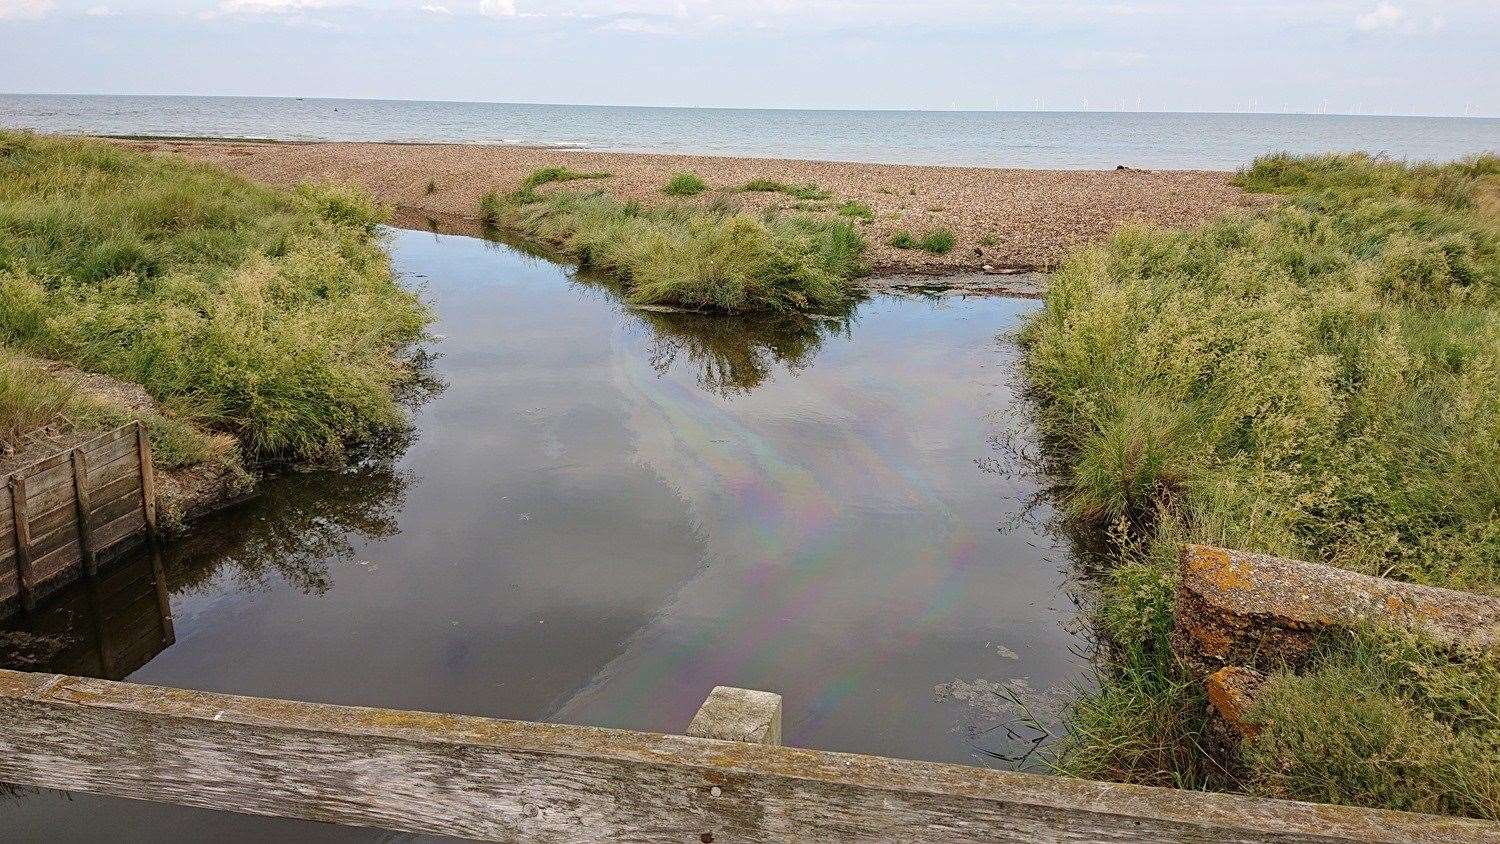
272,315
1320,380
937,241
551,175
1412,728
33,401
902,239
808,192
685,184
857,210
710,258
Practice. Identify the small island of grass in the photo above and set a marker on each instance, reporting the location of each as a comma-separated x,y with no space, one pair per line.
712,258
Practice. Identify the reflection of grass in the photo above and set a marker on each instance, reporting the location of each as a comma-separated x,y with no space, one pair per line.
732,354
294,529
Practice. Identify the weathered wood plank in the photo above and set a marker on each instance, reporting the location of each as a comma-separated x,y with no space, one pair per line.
507,780
44,477
118,442
81,512
62,534
126,485
55,566
123,528
48,490
25,588
42,468
148,479
120,467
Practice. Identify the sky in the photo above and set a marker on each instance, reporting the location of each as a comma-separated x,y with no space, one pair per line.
1361,56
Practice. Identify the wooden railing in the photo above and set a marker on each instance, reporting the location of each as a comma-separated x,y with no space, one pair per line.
518,781
66,514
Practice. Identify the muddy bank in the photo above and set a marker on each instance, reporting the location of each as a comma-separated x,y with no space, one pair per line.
1003,219
183,493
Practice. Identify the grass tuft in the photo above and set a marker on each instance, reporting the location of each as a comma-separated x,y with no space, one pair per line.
808,192
550,175
858,210
710,258
938,241
685,184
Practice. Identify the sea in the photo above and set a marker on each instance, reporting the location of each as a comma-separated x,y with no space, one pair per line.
1031,139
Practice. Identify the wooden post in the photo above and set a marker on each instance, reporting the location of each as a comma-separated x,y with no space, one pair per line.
81,498
148,480
734,714
27,588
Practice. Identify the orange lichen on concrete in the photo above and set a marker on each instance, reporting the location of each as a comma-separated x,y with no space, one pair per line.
1238,608
1230,693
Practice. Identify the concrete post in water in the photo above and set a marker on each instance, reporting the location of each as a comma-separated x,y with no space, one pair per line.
734,714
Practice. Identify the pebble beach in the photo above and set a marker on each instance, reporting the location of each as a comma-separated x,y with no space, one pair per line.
1003,220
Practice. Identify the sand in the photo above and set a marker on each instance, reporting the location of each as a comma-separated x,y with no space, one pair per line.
1005,220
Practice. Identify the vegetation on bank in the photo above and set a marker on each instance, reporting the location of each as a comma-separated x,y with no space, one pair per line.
272,315
937,241
808,192
1320,380
33,402
713,257
685,184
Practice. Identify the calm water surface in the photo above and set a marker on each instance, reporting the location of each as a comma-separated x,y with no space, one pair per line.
602,515
978,138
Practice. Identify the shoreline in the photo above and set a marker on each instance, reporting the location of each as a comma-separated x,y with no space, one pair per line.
1005,221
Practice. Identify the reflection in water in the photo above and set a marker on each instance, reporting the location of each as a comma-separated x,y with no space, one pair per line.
733,355
104,626
297,528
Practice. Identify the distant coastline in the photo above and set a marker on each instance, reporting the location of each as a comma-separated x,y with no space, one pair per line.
1036,140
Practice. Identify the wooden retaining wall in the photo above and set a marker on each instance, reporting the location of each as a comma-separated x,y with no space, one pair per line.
518,781
63,516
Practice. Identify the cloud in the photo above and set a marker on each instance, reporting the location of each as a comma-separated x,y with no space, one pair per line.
273,7
100,12
641,26
433,8
25,9
498,8
1383,16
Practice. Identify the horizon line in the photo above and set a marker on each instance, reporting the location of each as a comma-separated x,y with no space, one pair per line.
899,110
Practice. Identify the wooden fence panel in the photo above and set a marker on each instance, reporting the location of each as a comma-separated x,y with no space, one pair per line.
79,507
510,780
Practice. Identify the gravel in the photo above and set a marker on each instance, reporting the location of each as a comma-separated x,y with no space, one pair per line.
1003,219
